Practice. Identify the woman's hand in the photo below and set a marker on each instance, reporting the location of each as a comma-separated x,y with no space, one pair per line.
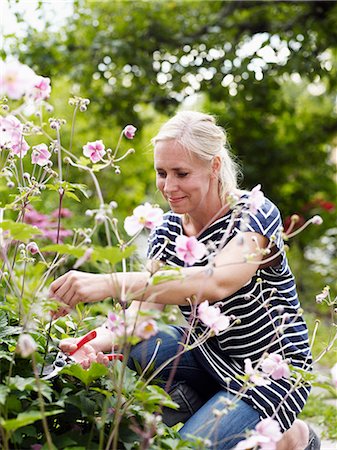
85,356
75,287
93,350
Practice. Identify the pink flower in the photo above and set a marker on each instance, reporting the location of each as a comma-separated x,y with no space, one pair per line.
116,324
11,135
212,317
26,345
40,155
323,295
333,372
32,248
20,148
16,79
94,150
64,212
146,329
275,366
129,131
189,249
36,447
256,199
266,435
317,220
256,377
143,216
41,89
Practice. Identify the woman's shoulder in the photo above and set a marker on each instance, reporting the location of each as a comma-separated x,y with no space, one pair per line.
266,206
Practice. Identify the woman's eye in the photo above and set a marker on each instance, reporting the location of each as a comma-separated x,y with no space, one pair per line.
161,174
182,174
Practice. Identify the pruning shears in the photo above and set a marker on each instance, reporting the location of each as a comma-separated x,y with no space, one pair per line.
62,359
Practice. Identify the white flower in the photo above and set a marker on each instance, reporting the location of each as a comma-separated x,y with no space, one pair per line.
144,216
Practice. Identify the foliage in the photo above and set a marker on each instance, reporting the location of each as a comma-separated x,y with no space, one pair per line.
268,71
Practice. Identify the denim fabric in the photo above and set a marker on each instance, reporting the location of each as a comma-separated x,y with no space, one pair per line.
196,392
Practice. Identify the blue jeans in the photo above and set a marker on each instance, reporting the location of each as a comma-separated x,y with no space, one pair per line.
209,411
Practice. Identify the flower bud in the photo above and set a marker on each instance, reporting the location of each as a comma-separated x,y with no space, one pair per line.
99,218
26,345
32,248
317,220
89,213
113,204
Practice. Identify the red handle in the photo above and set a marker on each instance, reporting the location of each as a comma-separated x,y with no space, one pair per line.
112,356
86,338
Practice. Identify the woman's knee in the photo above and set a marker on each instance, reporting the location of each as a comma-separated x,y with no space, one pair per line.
158,349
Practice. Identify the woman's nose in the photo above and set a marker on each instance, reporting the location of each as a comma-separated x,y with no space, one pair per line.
170,184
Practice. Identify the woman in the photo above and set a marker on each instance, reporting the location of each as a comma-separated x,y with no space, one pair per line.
247,277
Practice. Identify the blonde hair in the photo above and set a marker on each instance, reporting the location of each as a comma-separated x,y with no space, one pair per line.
198,132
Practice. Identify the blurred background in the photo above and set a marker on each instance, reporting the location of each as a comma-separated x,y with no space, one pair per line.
266,70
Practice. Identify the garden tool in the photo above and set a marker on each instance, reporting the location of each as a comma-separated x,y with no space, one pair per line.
62,359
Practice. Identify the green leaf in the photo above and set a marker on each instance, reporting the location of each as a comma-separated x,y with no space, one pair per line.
87,376
26,418
4,390
64,249
20,231
6,355
98,167
112,255
72,195
22,384
83,188
167,275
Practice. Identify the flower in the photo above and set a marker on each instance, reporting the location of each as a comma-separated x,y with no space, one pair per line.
323,295
333,372
26,345
266,435
212,317
32,248
40,155
146,216
16,79
317,220
256,377
146,329
115,323
94,150
11,136
41,89
256,199
63,212
129,131
275,366
189,249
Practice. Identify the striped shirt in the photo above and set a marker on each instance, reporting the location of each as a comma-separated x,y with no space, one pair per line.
265,302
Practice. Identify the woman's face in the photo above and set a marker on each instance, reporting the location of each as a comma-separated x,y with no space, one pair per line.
188,183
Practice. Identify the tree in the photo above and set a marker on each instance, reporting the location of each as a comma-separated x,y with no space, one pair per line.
254,62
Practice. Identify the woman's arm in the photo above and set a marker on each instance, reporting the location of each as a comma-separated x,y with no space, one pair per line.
233,267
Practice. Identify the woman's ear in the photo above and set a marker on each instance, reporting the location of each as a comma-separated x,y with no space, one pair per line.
216,165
